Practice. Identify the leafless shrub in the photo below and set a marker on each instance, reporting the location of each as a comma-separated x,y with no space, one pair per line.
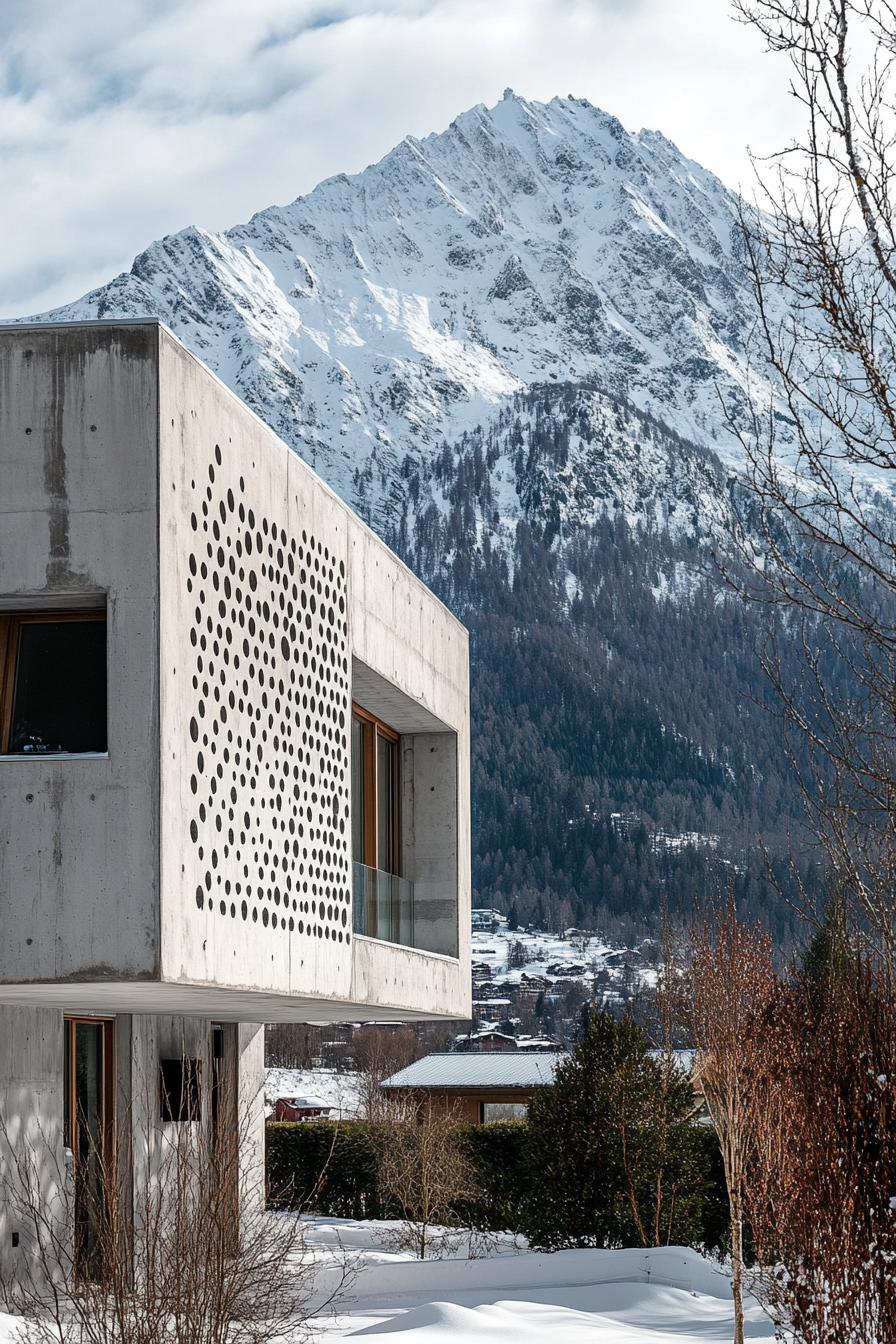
182,1251
427,1175
799,1077
380,1052
722,999
292,1045
482,1244
822,1170
821,254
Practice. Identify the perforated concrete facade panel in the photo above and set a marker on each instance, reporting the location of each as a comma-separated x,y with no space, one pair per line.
269,607
256,702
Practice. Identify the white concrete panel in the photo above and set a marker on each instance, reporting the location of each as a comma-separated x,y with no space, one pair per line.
32,1156
408,968
387,702
429,824
256,888
402,976
250,1076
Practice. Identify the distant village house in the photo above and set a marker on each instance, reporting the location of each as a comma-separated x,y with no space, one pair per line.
475,1088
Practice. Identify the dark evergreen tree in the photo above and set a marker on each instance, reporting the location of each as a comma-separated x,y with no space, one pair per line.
830,961
619,1154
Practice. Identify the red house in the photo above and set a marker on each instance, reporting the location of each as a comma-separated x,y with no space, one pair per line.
300,1108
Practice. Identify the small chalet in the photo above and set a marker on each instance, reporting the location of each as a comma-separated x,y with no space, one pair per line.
488,1041
491,1010
300,1108
475,1088
544,1045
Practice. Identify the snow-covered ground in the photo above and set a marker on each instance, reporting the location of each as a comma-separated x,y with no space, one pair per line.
522,1297
510,1296
339,1091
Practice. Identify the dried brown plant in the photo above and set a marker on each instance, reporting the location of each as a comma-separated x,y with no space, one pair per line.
724,996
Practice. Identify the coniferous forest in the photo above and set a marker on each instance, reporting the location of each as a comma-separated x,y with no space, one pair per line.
627,754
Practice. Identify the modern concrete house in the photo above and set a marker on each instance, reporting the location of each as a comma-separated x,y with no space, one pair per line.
234,751
475,1088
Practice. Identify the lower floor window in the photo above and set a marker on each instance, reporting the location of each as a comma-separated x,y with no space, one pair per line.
503,1110
88,1110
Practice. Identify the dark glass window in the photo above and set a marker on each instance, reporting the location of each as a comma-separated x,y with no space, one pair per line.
179,1090
88,1107
386,798
52,682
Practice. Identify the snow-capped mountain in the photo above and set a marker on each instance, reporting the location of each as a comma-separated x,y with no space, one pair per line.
383,313
513,346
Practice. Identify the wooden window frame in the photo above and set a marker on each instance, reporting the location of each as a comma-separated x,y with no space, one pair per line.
371,728
70,1023
11,623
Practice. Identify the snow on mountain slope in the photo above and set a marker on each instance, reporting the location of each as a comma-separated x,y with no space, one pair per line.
528,243
339,1091
564,455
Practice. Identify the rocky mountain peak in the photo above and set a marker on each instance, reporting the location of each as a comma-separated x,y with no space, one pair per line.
389,310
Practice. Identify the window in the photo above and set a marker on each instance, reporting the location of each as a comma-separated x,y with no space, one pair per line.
502,1110
52,682
375,797
88,1099
179,1090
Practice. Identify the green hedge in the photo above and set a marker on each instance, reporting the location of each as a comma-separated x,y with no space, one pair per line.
324,1167
331,1169
497,1151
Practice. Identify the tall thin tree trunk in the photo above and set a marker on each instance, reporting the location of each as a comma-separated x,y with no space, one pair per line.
737,1264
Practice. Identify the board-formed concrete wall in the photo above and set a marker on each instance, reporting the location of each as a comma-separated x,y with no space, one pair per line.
78,510
32,1154
36,1185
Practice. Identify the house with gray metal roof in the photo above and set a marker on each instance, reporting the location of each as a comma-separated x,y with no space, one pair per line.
476,1088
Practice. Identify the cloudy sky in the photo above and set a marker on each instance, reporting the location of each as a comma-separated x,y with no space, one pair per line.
122,120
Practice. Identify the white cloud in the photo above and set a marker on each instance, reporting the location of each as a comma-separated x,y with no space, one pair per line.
122,120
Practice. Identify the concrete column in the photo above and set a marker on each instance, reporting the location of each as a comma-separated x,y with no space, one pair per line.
429,823
250,1118
32,1050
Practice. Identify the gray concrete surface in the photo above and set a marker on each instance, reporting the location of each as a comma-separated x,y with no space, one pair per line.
202,866
78,494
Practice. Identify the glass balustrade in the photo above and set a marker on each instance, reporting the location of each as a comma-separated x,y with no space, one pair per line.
383,905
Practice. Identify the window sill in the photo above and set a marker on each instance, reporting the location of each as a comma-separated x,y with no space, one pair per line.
32,756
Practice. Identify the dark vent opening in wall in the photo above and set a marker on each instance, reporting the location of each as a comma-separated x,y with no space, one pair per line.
179,1089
